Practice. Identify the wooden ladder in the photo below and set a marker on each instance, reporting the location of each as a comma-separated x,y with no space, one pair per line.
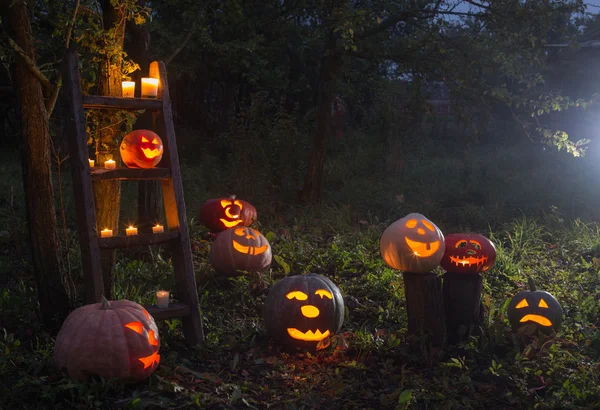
169,173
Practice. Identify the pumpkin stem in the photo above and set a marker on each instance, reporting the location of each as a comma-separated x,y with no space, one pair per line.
531,284
105,304
232,196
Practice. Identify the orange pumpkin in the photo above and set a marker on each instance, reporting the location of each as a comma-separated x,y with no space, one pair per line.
117,339
141,149
218,214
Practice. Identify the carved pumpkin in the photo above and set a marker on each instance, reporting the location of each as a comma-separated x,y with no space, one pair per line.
219,214
412,244
468,253
141,149
110,339
302,310
240,249
536,308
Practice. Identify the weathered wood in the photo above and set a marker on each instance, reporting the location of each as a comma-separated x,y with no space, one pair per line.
121,103
425,306
120,242
174,310
84,193
174,204
462,301
130,174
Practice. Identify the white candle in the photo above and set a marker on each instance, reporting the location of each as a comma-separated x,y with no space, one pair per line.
131,231
106,233
128,89
162,298
110,164
158,229
92,162
149,87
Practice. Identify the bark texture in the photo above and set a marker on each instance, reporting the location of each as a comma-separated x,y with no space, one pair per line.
462,300
425,306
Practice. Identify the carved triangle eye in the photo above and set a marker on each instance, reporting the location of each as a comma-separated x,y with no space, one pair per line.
543,304
522,304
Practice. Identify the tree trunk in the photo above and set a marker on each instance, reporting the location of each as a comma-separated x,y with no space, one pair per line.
137,46
37,174
425,306
330,65
107,194
462,300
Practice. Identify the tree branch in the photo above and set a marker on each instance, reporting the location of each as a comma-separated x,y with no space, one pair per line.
177,50
29,62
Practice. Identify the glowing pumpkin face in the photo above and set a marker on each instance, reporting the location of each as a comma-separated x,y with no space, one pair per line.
141,149
110,339
536,308
412,244
468,253
300,311
219,214
240,249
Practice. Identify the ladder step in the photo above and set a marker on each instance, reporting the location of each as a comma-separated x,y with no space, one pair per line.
175,309
121,103
131,174
132,241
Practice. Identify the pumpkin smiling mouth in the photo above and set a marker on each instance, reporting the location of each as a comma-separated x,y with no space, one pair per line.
150,153
423,249
150,360
230,224
537,319
308,336
471,260
250,249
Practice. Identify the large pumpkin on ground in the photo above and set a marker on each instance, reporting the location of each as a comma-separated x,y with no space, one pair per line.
117,339
302,310
240,249
536,308
141,149
218,214
468,253
412,244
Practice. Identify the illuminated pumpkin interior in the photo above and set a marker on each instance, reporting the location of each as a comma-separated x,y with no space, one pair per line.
138,328
541,320
310,312
471,259
152,149
232,211
421,249
250,250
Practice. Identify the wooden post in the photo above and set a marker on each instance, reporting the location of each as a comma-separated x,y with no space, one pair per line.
462,299
425,306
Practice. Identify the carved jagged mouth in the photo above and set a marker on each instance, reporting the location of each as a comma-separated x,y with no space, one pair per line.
469,261
148,361
230,224
423,249
151,153
308,336
541,320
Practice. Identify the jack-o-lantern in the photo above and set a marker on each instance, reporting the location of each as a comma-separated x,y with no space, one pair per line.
412,244
219,214
536,308
117,339
240,249
141,149
302,310
468,253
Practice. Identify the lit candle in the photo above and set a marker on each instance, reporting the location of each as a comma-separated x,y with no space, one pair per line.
149,87
110,164
131,231
106,233
128,89
162,298
158,229
92,162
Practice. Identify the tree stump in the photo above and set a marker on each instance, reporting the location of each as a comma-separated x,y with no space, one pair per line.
425,306
462,298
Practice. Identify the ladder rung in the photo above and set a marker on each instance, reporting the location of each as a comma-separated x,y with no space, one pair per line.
132,241
175,309
121,103
133,174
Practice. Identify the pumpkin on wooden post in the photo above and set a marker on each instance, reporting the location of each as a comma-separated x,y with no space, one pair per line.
219,214
415,245
465,258
240,249
302,311
116,339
